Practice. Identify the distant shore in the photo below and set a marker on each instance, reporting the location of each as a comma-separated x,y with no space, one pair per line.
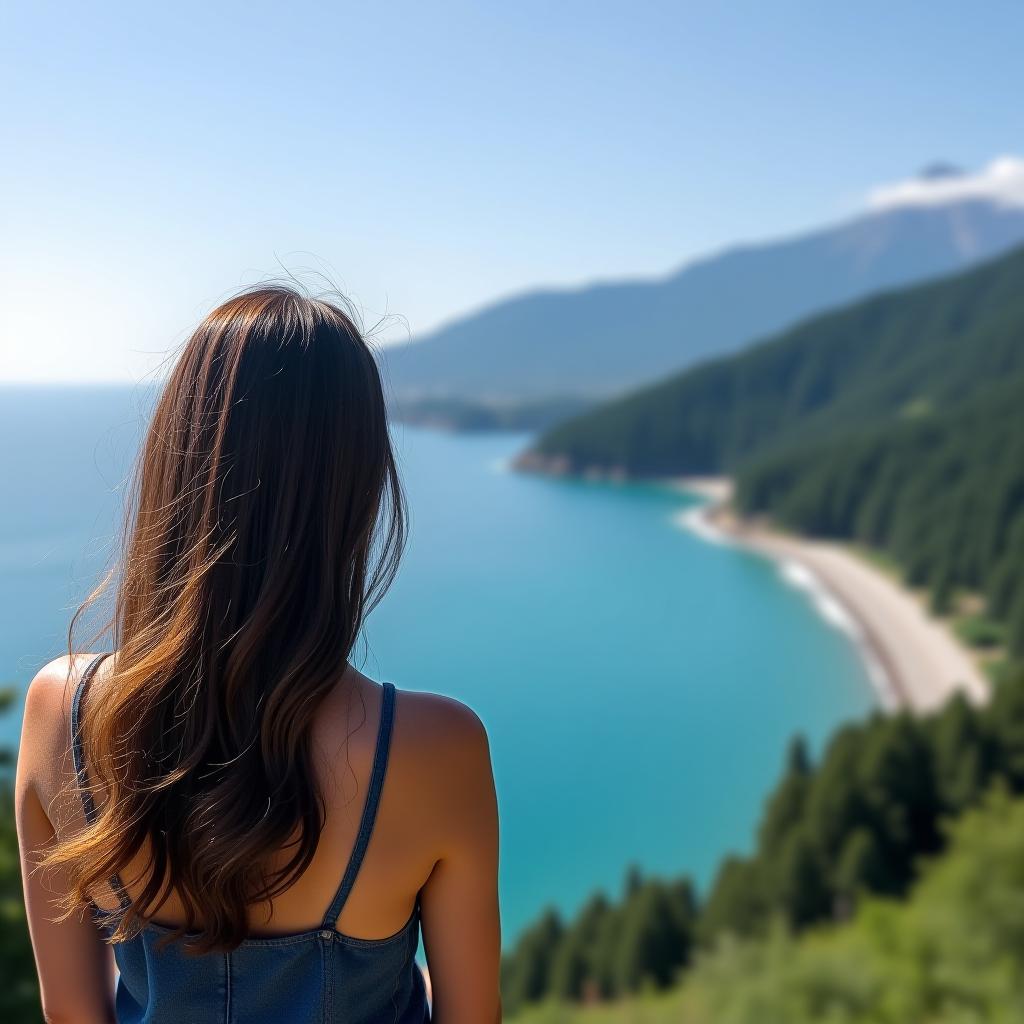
914,660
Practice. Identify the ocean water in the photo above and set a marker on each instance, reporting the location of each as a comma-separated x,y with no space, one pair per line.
639,685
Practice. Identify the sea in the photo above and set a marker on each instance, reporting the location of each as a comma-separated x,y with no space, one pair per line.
639,683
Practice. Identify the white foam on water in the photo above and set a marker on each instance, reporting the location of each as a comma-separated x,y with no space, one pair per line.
825,603
831,609
880,680
696,521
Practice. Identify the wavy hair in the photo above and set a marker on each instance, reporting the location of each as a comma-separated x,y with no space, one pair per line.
266,521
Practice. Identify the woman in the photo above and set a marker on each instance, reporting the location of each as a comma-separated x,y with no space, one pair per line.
223,807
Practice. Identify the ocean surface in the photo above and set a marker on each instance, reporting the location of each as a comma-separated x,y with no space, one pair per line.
639,685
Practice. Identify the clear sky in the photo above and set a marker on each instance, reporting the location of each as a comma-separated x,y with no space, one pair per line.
434,156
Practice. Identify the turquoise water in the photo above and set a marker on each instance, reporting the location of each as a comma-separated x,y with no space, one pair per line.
639,686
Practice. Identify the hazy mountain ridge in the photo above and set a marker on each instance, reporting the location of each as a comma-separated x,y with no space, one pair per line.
607,338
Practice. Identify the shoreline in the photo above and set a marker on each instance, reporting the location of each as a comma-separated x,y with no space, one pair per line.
914,660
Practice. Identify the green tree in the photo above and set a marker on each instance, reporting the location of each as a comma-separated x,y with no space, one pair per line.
606,951
576,968
1005,724
736,904
633,882
785,807
655,940
837,803
1015,622
526,976
896,777
684,906
861,868
961,753
800,888
19,993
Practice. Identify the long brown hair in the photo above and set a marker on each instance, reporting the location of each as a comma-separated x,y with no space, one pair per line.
267,520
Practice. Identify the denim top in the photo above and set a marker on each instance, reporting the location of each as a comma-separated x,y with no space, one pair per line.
319,975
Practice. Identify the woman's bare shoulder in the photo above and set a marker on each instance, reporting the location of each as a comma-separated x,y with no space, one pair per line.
443,781
442,758
43,754
431,724
49,693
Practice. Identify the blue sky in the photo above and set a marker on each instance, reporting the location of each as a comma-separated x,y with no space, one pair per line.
432,157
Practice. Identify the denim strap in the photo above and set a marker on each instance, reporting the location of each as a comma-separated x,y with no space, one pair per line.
380,764
77,754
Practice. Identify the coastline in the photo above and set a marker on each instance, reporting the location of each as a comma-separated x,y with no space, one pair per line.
914,660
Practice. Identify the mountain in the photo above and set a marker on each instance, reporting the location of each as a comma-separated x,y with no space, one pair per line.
604,339
910,353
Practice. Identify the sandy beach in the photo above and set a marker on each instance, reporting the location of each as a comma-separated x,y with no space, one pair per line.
915,661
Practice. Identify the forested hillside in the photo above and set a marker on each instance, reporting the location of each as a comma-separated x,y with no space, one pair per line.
911,353
943,494
856,823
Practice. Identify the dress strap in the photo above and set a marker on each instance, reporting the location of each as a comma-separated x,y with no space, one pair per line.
369,816
78,756
77,753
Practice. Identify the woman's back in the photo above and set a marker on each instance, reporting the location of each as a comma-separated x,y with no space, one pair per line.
259,829
316,973
405,781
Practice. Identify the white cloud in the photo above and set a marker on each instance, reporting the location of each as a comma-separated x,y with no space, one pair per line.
1001,181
